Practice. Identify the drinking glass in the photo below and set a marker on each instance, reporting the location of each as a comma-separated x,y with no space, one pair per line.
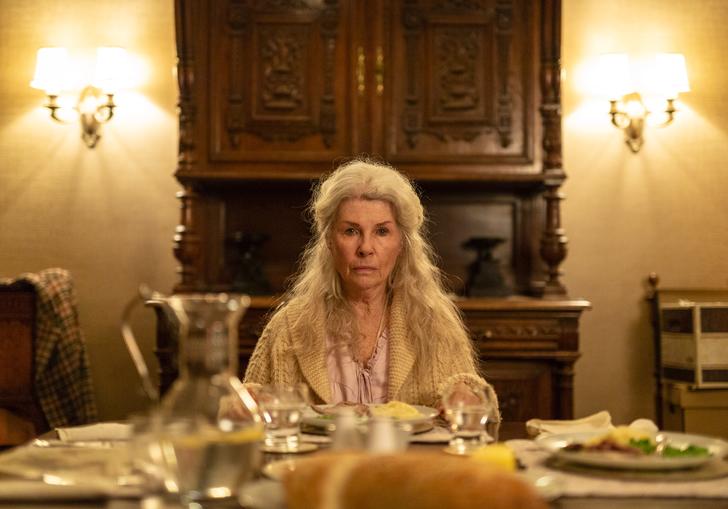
282,407
467,411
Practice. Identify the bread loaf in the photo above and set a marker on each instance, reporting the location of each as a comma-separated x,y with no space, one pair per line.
421,480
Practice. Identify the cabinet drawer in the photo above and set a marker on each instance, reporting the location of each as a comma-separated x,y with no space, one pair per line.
524,388
512,334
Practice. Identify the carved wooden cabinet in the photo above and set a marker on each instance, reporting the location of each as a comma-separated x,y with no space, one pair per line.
461,95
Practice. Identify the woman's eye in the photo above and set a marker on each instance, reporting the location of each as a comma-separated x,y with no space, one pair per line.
382,230
350,231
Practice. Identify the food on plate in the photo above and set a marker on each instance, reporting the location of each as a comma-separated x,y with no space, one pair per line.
393,409
410,479
637,442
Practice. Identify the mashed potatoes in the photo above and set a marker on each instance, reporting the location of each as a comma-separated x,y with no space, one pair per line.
395,410
622,435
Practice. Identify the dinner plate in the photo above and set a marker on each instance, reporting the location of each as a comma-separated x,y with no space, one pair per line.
616,460
312,418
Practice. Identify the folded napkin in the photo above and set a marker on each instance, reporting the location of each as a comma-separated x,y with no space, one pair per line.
95,432
600,421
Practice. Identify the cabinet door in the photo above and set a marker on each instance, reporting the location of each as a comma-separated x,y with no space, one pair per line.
280,82
524,388
459,84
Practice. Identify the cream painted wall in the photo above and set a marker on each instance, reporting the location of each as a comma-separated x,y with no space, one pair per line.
663,209
107,214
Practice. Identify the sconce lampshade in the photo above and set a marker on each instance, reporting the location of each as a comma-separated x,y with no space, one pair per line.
51,70
671,74
111,69
613,78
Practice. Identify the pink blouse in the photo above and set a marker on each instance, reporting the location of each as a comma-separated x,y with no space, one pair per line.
354,382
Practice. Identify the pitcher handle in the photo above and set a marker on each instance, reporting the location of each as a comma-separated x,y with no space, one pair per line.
132,345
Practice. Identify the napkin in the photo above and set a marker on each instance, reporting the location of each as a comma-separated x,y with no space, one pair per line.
600,421
95,432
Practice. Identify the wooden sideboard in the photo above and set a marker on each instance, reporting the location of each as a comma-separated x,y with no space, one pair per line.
463,97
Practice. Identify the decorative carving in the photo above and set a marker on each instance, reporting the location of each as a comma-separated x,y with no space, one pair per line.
235,114
504,29
470,89
457,54
554,242
329,24
517,331
187,241
564,381
460,5
285,4
184,15
282,108
281,60
553,248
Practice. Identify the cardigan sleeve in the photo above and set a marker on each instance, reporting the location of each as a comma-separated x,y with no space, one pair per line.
456,365
260,366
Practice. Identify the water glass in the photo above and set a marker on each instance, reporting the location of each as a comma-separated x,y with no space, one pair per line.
203,462
467,411
282,407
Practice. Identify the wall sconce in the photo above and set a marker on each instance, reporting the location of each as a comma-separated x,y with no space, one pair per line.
629,90
94,105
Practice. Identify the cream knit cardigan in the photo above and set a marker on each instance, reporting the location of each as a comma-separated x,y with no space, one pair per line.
282,356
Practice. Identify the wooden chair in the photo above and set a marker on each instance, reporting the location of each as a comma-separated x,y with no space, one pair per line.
21,417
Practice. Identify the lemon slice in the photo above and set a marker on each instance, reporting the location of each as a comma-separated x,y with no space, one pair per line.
498,455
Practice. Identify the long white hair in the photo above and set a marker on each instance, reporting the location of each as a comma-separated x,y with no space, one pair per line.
431,314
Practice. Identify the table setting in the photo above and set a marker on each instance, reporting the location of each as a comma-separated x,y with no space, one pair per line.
117,461
213,440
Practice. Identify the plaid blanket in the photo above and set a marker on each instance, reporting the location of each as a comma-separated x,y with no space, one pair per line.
62,378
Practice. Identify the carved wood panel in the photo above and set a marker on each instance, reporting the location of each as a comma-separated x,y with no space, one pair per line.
459,87
279,90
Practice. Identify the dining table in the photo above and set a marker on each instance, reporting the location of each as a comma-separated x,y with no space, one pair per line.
511,433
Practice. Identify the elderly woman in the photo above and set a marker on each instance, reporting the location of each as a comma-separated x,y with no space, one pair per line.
367,319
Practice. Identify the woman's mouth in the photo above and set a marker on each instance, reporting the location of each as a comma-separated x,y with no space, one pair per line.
363,270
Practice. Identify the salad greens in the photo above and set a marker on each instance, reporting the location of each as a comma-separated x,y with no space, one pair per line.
689,451
647,446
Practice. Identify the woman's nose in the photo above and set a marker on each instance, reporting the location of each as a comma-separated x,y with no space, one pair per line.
365,246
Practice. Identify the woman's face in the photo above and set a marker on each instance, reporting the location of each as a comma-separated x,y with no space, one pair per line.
366,242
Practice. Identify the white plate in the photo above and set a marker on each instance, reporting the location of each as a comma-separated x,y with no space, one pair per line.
616,460
312,418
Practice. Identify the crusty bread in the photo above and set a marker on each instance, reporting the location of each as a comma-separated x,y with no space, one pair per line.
421,480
